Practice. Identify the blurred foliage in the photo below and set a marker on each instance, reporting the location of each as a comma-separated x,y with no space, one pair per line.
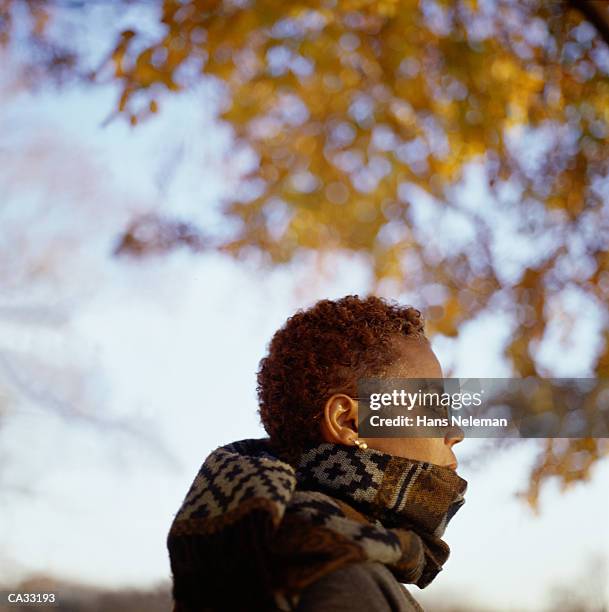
364,117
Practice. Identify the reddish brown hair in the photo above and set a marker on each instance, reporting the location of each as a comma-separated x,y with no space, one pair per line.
322,351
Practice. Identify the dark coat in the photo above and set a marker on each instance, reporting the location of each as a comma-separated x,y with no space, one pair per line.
358,587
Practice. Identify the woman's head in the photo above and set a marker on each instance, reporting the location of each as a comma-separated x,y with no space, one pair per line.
308,381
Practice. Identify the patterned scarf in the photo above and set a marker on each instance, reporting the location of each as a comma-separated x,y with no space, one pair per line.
253,531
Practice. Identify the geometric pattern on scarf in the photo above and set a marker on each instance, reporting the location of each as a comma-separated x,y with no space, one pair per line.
282,527
229,477
397,491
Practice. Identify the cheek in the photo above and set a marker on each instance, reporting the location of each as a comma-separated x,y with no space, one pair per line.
438,449
432,450
428,449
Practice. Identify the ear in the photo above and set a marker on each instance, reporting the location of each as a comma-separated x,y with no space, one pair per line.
339,420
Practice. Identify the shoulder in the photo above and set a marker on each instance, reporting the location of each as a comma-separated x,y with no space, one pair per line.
362,586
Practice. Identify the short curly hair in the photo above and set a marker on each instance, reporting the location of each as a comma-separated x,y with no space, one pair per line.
322,351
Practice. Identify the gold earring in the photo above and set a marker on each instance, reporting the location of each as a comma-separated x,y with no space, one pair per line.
361,445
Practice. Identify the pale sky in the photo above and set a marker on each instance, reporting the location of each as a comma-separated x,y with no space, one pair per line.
172,346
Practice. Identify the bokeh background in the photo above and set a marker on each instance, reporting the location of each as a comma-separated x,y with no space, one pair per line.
178,177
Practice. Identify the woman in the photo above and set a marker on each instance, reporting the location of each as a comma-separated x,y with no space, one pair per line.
313,517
